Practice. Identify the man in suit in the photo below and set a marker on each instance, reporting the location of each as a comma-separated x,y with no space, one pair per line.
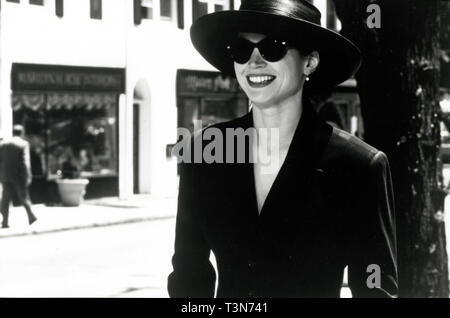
15,173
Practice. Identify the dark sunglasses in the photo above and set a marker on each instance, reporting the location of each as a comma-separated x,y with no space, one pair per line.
270,48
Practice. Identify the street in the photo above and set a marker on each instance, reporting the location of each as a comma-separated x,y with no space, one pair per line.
125,260
130,260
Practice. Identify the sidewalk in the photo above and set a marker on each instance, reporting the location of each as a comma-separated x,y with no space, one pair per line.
92,213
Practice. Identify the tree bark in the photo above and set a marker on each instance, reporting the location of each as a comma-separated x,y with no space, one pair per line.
398,85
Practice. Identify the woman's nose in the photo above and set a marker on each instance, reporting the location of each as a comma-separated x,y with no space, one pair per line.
256,59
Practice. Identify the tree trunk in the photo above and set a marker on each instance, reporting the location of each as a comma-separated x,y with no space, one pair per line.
398,85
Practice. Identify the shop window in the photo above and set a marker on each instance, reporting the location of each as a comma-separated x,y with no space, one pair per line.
202,7
59,8
166,10
209,97
199,8
15,1
180,14
332,21
29,111
137,14
37,2
65,126
147,9
96,9
143,9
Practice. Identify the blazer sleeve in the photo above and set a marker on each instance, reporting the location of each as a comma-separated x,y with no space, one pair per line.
193,274
372,271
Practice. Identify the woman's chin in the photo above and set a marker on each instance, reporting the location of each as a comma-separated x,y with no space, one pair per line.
262,101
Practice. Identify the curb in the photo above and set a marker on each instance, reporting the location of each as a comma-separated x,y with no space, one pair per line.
88,226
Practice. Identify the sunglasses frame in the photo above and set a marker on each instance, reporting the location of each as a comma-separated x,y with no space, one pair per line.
277,44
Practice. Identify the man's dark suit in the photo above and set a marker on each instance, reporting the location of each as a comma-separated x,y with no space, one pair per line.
331,206
15,175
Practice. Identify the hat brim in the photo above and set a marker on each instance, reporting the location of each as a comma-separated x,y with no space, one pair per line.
339,58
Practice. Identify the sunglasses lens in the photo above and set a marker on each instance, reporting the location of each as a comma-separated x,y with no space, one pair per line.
272,50
240,50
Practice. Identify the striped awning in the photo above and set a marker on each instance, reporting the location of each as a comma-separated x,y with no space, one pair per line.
63,101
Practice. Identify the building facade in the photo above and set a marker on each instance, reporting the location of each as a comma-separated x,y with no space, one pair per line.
109,82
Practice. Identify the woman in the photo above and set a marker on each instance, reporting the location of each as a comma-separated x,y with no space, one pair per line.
288,231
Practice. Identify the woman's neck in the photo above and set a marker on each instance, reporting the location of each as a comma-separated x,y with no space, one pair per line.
284,116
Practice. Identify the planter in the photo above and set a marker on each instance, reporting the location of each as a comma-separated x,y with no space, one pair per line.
72,191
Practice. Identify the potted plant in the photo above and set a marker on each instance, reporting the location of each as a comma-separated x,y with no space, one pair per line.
71,186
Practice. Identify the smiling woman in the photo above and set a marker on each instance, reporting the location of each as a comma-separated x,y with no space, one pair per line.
271,63
326,205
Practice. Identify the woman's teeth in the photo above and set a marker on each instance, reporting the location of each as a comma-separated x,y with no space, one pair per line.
260,79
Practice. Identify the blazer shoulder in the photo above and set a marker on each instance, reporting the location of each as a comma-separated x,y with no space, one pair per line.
347,149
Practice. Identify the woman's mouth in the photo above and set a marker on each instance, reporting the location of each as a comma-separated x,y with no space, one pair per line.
260,80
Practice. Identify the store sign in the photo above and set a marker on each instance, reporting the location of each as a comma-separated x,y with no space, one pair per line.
194,82
67,78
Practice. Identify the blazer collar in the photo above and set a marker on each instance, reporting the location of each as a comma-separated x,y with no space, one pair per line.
292,184
310,137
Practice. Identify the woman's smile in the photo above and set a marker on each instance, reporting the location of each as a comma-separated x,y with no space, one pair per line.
260,80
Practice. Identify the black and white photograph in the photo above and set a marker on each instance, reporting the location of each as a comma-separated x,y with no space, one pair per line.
231,149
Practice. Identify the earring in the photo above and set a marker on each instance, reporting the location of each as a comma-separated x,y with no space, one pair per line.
307,78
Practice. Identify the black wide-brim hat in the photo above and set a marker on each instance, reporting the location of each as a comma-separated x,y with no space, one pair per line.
296,20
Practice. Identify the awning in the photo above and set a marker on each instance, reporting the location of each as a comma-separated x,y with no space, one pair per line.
63,101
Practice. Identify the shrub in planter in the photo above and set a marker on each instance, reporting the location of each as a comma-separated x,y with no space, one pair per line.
71,187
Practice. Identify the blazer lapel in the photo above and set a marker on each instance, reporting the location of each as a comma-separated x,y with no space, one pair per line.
286,207
286,199
238,181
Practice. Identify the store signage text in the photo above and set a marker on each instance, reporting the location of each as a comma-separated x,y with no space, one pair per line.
39,77
206,82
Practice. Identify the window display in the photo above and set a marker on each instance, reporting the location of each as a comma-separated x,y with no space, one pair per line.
208,97
76,127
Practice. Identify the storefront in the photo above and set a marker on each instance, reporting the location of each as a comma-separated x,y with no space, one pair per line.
69,113
209,97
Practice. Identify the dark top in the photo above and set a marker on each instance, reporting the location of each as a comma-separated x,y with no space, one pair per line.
330,206
15,166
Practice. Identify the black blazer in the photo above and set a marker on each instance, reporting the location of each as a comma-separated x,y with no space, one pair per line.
330,206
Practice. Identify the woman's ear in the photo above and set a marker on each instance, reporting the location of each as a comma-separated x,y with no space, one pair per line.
312,61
